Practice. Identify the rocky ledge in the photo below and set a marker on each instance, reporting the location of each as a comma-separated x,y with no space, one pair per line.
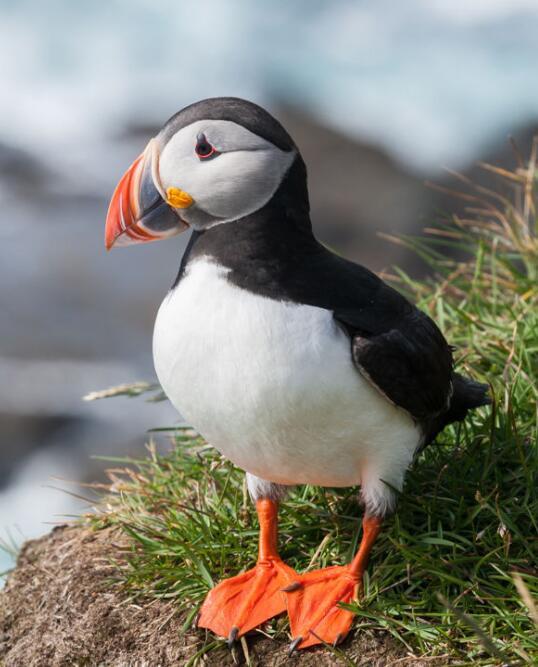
62,606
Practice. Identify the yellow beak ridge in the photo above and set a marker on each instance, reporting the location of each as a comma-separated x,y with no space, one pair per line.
177,198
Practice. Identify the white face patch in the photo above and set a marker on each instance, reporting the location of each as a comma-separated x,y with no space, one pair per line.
237,182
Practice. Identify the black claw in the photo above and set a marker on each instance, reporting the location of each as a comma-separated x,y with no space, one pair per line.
294,586
233,636
293,646
338,639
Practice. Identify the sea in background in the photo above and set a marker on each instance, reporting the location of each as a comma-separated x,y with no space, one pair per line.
379,95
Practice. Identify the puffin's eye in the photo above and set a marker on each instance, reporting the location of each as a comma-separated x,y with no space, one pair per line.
203,148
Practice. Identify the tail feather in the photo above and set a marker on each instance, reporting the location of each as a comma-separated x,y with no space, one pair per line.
466,395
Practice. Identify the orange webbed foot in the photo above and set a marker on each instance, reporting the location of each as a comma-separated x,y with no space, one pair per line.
315,616
242,603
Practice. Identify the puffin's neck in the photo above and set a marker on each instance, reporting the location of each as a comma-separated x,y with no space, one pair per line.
258,246
265,246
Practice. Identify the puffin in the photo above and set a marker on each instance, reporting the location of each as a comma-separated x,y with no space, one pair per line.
296,364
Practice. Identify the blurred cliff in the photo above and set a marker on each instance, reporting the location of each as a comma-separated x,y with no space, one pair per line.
378,97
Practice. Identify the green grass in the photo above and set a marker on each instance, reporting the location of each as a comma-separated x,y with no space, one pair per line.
455,571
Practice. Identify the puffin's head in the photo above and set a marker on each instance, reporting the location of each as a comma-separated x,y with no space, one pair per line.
215,161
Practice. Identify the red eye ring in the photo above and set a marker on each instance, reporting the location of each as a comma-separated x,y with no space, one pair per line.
203,148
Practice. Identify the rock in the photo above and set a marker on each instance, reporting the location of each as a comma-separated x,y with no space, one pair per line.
60,608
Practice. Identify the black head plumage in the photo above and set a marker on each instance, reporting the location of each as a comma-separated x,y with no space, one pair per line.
247,114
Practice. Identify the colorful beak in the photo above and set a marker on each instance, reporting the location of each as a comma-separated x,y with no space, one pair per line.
139,211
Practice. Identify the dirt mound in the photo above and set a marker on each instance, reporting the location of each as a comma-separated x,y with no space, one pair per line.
61,608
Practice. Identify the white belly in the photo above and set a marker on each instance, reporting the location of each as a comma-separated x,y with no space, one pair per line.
272,386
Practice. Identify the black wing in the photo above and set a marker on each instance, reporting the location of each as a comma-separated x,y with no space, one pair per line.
405,356
397,347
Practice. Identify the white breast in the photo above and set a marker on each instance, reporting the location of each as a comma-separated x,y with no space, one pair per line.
272,386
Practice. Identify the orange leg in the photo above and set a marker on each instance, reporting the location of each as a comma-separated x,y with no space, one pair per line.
241,603
315,616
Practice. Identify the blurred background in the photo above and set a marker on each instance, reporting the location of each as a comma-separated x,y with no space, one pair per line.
380,96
